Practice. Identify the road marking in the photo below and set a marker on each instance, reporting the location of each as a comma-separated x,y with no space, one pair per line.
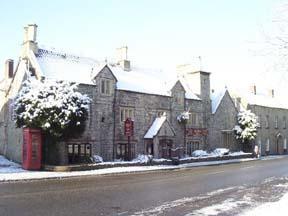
122,213
215,173
249,167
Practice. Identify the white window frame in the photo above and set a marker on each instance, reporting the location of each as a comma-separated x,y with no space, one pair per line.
105,86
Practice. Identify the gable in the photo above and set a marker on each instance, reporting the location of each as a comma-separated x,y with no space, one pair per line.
178,87
166,130
159,127
226,104
105,72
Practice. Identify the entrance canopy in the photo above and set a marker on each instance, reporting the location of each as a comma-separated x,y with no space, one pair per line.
160,127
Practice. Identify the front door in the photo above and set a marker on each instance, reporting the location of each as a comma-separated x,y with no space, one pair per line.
279,145
165,150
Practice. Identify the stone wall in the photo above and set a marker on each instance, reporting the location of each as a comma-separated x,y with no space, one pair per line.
275,133
223,120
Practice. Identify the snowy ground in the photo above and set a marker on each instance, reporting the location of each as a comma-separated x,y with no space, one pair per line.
266,198
279,208
10,171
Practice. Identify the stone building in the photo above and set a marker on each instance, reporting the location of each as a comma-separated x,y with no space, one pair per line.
272,113
223,120
119,90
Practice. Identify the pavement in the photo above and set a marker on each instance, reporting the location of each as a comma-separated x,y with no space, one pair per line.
15,173
204,190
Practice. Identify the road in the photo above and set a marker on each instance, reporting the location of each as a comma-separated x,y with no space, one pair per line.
180,192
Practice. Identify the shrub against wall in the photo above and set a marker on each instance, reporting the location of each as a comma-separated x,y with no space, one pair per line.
54,106
183,117
246,130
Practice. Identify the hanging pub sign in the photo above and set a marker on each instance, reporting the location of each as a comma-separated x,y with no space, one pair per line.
196,132
128,127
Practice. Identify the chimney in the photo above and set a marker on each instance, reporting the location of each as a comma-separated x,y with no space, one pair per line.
29,43
9,68
122,58
253,89
271,93
30,32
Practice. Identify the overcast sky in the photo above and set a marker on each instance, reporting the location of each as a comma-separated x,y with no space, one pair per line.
227,34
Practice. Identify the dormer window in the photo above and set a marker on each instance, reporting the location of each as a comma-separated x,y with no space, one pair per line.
179,98
106,86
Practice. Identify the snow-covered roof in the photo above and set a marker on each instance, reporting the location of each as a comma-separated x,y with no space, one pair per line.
216,98
155,127
264,100
63,66
56,65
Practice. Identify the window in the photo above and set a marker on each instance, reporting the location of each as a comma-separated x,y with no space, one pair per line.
122,151
192,146
193,119
179,97
276,122
126,113
79,153
267,145
284,122
267,121
106,86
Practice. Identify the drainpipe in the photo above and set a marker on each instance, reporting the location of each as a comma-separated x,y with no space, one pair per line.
114,122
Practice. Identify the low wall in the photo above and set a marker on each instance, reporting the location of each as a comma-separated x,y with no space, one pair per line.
82,167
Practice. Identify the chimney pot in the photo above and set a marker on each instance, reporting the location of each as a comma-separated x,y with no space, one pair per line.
122,58
271,93
253,89
31,32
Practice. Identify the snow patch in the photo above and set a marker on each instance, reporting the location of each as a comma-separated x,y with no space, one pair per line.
97,159
225,206
199,153
278,208
155,127
220,151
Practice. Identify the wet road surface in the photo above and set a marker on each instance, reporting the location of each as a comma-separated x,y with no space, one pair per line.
213,190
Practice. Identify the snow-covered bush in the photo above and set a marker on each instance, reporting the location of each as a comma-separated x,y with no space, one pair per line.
97,159
143,158
183,117
221,151
54,106
199,153
246,130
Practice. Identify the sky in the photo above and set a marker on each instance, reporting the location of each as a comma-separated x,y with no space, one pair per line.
227,34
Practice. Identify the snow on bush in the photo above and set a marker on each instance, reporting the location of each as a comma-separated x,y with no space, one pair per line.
143,158
97,159
246,130
183,117
199,153
220,151
54,106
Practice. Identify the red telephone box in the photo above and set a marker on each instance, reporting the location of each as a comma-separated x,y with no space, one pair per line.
32,149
